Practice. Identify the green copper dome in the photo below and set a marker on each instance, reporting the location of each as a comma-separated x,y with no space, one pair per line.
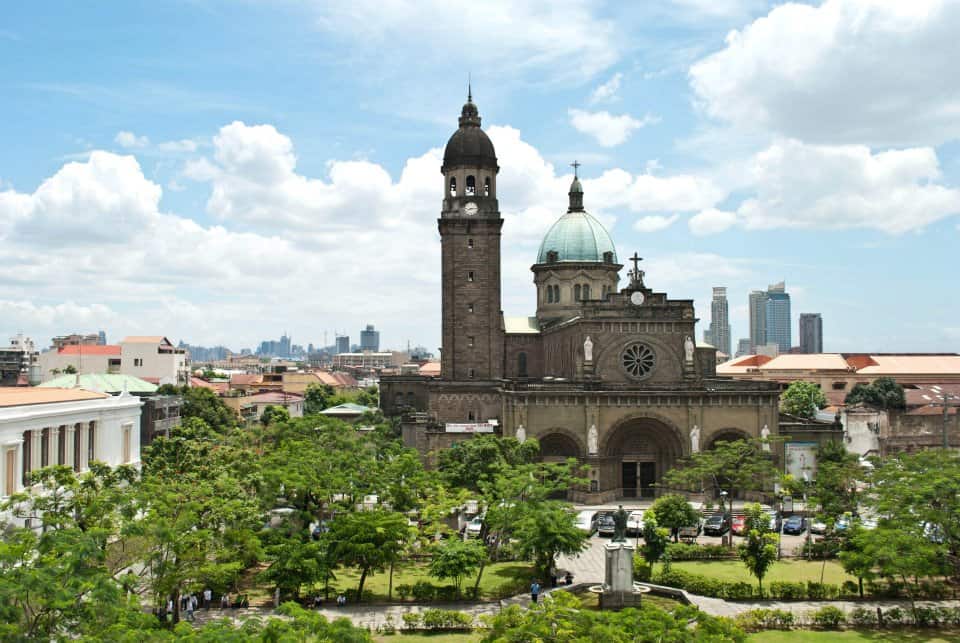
577,236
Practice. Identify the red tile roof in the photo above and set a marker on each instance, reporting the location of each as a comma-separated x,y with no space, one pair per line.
75,349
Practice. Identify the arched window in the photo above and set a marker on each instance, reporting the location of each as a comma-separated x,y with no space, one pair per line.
471,185
549,294
576,292
471,417
91,443
453,186
486,186
521,364
586,291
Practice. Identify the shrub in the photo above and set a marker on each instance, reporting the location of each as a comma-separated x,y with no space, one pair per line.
893,616
863,617
925,616
788,591
690,551
737,591
437,619
829,616
934,590
446,593
850,588
641,569
820,591
411,620
819,549
403,591
423,591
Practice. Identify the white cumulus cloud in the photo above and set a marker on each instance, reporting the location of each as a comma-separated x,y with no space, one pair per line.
654,223
711,221
130,140
608,130
607,91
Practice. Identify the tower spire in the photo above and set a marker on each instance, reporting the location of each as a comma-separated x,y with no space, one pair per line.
469,89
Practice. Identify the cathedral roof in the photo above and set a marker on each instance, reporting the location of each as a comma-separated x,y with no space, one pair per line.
577,236
469,145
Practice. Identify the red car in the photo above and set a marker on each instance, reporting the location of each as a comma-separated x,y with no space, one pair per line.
738,525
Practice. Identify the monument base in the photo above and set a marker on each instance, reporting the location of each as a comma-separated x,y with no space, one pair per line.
616,601
618,591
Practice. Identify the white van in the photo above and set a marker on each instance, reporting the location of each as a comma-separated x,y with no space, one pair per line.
587,521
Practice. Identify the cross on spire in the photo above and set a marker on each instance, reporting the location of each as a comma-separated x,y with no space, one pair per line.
636,275
576,166
636,259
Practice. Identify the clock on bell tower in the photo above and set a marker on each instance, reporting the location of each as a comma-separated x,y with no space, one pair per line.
470,226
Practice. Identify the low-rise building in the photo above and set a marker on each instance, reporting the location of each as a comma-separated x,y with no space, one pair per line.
19,362
251,407
154,359
42,426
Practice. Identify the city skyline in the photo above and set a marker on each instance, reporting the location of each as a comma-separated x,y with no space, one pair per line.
187,190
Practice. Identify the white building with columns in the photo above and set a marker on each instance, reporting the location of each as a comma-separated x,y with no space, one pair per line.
46,426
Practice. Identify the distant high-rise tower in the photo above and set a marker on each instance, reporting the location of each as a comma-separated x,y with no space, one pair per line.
343,344
370,339
719,332
758,319
102,338
811,333
778,317
743,347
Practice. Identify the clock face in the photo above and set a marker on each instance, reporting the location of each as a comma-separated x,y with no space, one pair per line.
636,298
470,209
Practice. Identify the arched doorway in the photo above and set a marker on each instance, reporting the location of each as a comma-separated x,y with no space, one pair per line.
638,452
726,435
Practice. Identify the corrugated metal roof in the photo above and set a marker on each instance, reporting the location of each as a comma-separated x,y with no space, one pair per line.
76,349
349,408
23,396
913,365
102,382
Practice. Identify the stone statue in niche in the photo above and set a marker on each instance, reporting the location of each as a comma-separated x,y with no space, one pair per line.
521,434
593,446
695,439
765,437
588,350
688,349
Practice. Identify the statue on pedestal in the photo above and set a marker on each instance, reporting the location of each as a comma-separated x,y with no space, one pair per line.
695,439
588,350
620,525
688,349
521,434
593,446
765,437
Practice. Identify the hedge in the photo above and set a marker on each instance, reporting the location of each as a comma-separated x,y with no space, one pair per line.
437,619
691,551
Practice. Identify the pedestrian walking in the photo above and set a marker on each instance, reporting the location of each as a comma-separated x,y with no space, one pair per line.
225,600
207,597
534,592
190,606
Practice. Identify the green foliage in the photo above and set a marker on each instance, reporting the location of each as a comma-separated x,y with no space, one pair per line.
765,619
802,399
829,617
70,369
691,551
863,617
369,540
204,404
882,393
558,619
738,464
273,414
475,462
411,620
438,619
836,489
655,539
454,558
672,511
295,563
318,397
546,531
759,549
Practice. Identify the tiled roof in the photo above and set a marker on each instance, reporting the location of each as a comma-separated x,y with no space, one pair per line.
912,365
219,387
430,368
22,396
245,379
144,339
75,349
274,397
102,382
337,379
811,362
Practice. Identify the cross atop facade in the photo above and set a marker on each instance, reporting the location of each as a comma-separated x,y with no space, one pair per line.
636,259
575,165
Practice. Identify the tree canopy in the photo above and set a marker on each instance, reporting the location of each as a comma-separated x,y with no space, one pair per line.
882,393
802,399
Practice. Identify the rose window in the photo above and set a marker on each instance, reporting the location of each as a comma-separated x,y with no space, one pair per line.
638,360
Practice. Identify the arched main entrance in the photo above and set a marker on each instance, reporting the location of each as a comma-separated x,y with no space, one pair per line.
637,454
557,447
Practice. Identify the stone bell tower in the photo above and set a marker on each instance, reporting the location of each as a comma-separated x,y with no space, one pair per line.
470,226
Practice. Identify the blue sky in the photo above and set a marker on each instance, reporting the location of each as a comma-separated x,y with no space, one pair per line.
220,172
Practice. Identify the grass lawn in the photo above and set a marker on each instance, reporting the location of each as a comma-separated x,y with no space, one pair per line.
783,570
499,580
852,636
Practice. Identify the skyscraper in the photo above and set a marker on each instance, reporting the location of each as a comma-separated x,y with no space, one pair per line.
811,333
719,333
370,339
758,319
778,317
343,344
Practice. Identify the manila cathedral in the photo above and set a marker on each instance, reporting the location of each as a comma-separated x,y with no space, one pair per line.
609,375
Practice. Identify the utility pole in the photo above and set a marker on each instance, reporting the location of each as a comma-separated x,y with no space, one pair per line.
945,401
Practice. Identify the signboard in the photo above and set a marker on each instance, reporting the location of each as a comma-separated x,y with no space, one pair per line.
473,427
801,460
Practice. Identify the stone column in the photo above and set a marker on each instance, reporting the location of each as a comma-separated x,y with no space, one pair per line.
16,445
71,435
82,437
53,446
36,436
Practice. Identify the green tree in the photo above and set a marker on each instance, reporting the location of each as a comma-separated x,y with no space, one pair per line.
455,558
296,562
273,414
802,399
317,397
736,465
672,511
655,539
368,540
204,404
837,486
472,463
759,549
547,530
70,369
369,396
882,393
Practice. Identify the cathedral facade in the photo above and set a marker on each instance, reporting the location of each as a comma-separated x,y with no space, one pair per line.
606,374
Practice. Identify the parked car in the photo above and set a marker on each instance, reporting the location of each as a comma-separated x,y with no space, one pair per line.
606,525
690,532
738,524
818,527
717,525
587,521
474,527
635,523
795,525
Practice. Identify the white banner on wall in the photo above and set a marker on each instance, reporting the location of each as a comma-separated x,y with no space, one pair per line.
801,459
474,427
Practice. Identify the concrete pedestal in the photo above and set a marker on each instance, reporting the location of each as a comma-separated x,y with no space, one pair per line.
618,591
